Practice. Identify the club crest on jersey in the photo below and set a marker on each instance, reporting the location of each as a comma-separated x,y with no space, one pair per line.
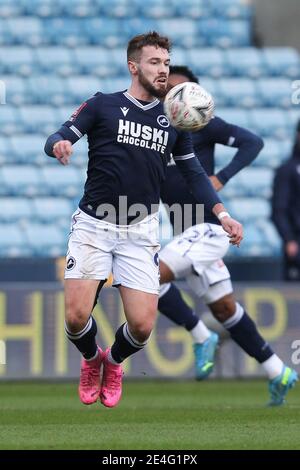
163,121
124,110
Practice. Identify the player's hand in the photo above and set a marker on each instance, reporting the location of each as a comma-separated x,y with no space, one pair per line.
216,183
63,151
234,230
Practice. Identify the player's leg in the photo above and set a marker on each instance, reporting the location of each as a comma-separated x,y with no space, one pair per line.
136,273
86,269
188,255
243,331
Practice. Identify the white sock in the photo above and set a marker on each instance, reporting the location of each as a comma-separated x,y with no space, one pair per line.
200,332
273,366
111,359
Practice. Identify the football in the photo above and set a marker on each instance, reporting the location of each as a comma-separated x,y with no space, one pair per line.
189,106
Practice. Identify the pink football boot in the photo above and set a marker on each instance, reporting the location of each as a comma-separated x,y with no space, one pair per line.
89,384
111,390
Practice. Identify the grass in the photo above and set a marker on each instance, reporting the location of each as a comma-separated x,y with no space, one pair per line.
157,415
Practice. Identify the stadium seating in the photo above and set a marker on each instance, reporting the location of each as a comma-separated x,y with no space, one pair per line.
53,55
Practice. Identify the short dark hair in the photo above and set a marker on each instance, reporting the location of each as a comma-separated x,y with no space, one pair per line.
152,38
185,71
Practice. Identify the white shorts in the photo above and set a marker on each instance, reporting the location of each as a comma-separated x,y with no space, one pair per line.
130,252
196,255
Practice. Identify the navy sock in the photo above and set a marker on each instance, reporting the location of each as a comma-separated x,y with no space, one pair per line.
125,344
172,305
85,340
246,335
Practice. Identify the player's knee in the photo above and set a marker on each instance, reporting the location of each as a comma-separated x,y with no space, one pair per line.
224,308
141,331
76,318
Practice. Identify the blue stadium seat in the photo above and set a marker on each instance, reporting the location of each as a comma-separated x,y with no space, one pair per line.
9,8
294,113
48,89
249,209
42,8
17,60
270,123
27,149
21,180
97,61
119,8
12,241
157,9
39,119
244,62
65,31
104,31
194,9
15,209
232,8
206,61
224,33
274,92
235,116
4,151
45,240
252,181
80,88
52,210
182,31
111,85
61,181
79,8
9,121
55,60
284,61
25,30
16,90
272,154
238,93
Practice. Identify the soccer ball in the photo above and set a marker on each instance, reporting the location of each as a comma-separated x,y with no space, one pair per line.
188,106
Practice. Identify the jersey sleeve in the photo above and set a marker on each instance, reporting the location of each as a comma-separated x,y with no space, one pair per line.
248,144
81,121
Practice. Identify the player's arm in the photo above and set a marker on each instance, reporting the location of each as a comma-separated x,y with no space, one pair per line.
248,144
281,201
59,145
203,191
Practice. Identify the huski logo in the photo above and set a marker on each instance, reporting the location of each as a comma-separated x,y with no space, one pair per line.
163,121
124,110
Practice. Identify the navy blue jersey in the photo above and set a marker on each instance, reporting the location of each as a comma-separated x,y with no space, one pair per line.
130,143
217,131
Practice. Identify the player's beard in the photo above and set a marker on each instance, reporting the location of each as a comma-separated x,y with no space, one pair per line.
157,92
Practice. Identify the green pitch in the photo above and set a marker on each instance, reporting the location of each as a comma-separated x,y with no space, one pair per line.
152,415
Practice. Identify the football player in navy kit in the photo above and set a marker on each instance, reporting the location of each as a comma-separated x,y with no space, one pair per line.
196,255
115,228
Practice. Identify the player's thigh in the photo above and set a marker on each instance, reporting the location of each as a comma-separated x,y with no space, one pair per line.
166,274
80,295
219,282
140,310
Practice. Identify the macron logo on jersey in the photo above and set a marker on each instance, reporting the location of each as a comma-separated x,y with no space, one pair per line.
124,110
148,137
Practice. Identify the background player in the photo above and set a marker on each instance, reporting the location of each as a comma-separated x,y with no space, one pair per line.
130,141
197,256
